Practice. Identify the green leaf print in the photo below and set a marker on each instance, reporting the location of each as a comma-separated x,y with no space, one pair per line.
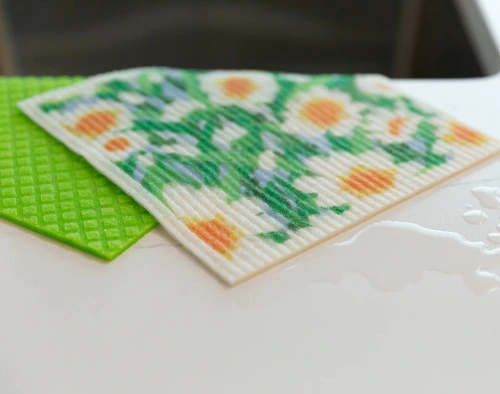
154,182
426,132
111,90
192,87
278,237
402,153
57,105
149,88
231,184
410,104
418,149
295,168
339,209
355,144
360,141
286,89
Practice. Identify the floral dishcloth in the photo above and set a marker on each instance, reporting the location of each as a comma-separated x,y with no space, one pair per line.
248,168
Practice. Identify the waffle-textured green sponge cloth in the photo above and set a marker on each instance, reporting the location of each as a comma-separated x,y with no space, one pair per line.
47,188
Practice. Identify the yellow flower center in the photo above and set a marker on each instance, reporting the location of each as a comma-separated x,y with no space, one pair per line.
363,181
396,125
96,123
216,233
463,135
238,87
117,144
323,112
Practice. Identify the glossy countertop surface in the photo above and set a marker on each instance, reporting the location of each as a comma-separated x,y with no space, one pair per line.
406,303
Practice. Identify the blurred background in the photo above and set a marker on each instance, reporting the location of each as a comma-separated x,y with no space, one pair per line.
399,38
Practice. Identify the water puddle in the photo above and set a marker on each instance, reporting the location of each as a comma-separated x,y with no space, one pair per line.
390,264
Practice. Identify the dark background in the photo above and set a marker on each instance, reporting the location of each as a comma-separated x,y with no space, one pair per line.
399,38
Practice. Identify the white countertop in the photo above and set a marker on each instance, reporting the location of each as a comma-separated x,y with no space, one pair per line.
154,321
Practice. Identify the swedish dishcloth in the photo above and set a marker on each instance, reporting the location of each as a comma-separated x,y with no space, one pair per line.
248,168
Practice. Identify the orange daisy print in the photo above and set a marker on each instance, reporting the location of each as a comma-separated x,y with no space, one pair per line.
463,135
238,87
95,123
396,126
216,233
323,112
117,144
363,181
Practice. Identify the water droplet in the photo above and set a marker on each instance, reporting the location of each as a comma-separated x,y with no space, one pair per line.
488,197
475,216
494,238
